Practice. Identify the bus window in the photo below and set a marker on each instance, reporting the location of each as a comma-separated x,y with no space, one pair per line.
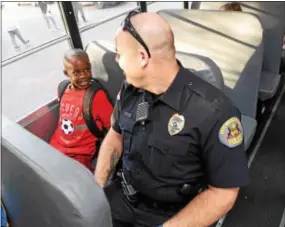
98,12
29,83
26,26
88,13
104,31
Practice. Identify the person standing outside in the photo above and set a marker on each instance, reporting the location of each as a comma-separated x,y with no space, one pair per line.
46,11
77,7
14,32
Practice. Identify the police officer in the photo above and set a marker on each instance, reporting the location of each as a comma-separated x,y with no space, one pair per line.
180,138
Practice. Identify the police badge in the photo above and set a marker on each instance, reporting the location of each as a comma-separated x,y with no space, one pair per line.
176,124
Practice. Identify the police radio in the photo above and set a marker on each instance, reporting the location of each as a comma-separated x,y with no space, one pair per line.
142,111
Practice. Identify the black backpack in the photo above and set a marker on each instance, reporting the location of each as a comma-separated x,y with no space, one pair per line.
87,106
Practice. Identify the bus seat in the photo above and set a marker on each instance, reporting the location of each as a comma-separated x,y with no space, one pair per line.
272,17
249,128
42,187
42,122
203,67
209,71
237,52
99,53
269,84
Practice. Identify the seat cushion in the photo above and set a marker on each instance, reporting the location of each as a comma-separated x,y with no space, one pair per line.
202,67
43,187
236,50
268,85
249,126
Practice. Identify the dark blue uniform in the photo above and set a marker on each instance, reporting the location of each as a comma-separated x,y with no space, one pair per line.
192,137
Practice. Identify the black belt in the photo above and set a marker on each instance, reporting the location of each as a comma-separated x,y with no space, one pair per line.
137,199
148,202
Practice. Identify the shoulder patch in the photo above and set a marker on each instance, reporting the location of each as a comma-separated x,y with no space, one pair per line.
231,133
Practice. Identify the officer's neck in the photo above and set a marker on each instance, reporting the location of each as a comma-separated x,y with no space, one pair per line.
160,81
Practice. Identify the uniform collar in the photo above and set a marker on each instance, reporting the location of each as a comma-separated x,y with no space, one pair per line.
172,96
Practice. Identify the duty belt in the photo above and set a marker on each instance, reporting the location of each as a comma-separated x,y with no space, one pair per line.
138,199
145,201
128,189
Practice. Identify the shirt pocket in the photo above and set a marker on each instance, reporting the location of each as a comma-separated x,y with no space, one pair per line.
167,155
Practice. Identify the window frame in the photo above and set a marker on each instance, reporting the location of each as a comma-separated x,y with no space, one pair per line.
73,32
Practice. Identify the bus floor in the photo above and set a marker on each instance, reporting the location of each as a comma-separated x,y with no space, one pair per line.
262,203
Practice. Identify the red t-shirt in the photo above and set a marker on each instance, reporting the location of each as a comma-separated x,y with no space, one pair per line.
72,136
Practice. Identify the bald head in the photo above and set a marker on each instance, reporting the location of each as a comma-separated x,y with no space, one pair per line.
142,69
155,32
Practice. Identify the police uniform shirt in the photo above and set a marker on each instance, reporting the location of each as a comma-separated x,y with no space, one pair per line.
193,133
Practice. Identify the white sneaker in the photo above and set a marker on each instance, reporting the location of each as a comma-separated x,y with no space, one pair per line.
17,48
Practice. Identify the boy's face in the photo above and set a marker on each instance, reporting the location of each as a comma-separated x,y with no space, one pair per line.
78,69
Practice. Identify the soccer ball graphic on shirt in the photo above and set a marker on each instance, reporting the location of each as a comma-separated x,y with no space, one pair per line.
67,126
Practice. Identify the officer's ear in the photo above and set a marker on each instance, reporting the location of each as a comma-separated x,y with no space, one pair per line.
144,59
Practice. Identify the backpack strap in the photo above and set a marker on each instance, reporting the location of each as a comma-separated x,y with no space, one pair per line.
87,105
87,109
61,88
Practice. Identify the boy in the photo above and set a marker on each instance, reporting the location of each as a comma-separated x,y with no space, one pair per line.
72,136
